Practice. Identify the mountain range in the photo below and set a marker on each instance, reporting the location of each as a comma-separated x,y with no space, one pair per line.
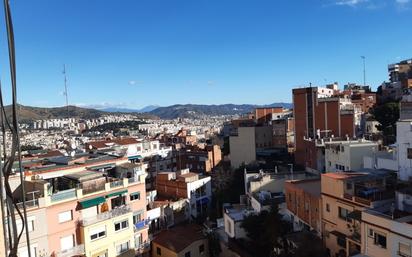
195,110
28,114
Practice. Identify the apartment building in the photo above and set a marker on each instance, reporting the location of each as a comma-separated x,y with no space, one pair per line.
198,160
344,196
181,241
264,115
186,185
84,209
283,133
304,204
347,155
319,113
246,141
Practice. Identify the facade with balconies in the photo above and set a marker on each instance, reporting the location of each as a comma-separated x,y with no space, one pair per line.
344,196
87,213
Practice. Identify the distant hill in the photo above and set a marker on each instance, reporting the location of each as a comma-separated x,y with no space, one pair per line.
128,110
195,110
28,114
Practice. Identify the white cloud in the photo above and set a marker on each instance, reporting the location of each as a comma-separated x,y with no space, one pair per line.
402,1
351,3
135,82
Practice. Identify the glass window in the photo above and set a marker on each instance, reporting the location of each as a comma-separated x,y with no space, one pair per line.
158,251
343,214
380,240
65,216
121,248
135,196
327,207
404,249
201,249
121,225
187,254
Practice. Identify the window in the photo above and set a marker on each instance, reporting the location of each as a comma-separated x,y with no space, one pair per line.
327,207
404,250
341,241
349,186
121,248
187,254
380,240
135,196
370,233
409,153
98,232
30,224
201,249
67,242
65,216
343,214
121,225
137,218
158,251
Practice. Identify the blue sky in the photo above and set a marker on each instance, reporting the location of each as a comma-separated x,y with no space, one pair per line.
132,53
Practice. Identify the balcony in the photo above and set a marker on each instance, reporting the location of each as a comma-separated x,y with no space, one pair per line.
134,180
141,225
63,195
29,204
117,183
77,250
106,215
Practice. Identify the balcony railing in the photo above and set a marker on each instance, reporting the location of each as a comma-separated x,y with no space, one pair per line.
63,195
117,183
134,180
77,250
106,215
141,225
29,204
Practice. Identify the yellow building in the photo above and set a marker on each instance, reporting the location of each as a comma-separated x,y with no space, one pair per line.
182,241
344,196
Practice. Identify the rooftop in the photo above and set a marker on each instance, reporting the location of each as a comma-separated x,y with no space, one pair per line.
178,238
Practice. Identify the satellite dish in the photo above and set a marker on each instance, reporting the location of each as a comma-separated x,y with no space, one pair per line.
72,153
90,147
73,146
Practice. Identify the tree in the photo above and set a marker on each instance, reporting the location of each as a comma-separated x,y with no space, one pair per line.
387,115
214,244
265,231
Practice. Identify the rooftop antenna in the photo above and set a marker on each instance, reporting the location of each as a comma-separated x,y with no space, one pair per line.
364,69
65,90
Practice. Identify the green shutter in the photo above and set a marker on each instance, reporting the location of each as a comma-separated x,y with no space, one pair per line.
92,202
116,193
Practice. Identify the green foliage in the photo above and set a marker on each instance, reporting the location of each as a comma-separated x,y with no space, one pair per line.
115,127
387,115
266,231
214,244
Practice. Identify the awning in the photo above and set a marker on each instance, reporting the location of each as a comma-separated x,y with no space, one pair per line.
116,193
92,202
103,166
355,215
135,157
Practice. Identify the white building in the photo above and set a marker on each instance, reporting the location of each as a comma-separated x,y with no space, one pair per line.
404,142
347,155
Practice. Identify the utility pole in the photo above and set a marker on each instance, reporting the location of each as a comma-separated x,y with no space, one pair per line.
65,90
364,69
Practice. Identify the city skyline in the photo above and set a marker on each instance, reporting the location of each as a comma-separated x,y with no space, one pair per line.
154,51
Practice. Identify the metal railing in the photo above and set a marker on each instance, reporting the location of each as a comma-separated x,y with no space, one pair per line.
63,195
134,180
76,250
106,215
29,204
117,183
